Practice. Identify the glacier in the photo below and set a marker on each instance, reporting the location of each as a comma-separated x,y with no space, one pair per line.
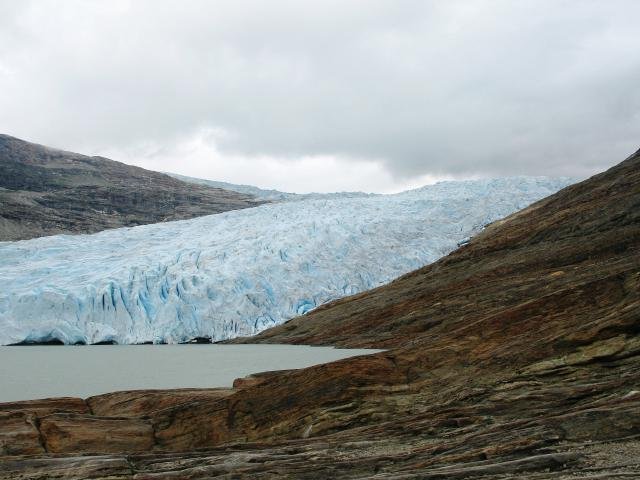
239,272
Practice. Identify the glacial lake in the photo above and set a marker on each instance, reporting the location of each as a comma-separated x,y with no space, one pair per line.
31,372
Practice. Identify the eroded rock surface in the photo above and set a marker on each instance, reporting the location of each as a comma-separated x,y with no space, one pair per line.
517,356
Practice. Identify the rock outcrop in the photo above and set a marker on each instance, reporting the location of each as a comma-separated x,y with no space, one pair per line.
44,191
517,356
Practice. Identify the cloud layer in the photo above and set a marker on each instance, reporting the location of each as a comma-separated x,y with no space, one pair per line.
329,95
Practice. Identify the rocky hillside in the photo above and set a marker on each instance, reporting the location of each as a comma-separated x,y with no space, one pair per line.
516,356
567,252
44,191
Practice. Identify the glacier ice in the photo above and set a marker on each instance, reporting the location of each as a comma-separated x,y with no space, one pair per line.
239,272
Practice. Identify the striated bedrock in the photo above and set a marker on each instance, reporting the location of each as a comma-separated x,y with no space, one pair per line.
44,191
238,272
516,356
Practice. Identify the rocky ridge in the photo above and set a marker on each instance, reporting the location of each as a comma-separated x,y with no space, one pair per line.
516,356
44,191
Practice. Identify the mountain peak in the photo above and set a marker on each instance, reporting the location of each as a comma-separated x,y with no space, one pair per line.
45,191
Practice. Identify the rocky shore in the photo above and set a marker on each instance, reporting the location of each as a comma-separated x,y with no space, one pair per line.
516,356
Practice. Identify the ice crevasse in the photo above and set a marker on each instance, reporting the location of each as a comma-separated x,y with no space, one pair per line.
239,272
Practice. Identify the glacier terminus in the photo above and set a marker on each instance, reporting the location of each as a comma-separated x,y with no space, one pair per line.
239,272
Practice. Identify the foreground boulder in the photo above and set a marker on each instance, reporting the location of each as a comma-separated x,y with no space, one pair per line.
517,356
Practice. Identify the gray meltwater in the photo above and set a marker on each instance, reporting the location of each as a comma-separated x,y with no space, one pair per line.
31,372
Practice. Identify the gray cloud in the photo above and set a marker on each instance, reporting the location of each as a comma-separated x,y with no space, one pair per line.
455,88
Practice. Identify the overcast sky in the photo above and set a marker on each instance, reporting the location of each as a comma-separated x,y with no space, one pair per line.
327,95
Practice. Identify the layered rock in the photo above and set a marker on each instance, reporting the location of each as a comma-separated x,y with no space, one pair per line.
517,356
44,191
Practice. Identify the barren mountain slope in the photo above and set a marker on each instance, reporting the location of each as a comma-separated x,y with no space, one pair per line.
44,191
548,253
517,356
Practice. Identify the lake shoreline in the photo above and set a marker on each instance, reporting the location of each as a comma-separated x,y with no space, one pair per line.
40,371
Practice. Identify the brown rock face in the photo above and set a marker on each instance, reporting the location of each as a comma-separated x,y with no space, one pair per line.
19,434
144,402
44,191
517,356
68,432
